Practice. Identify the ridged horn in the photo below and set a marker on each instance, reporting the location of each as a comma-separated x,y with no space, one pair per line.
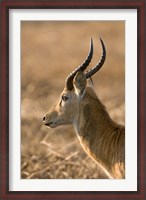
92,71
82,67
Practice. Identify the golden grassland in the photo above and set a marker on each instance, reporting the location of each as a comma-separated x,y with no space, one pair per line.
49,52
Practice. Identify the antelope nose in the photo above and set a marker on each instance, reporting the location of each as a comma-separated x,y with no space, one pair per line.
44,118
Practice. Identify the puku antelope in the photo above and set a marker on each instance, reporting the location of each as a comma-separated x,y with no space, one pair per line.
101,137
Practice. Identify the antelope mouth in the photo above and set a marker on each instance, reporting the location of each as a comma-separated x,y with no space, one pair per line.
50,124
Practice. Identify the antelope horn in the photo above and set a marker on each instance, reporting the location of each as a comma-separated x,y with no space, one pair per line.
92,71
82,67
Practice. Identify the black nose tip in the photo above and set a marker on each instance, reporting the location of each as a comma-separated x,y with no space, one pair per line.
44,118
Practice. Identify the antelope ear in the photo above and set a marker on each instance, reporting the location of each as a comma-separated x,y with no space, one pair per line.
79,82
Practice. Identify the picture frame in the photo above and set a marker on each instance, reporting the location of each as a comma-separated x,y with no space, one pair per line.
5,7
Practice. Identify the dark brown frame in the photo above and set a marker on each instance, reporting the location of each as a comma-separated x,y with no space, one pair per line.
5,5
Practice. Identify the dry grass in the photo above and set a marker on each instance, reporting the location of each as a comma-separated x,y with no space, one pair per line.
51,50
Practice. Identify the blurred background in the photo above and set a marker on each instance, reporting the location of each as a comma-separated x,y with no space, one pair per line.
50,50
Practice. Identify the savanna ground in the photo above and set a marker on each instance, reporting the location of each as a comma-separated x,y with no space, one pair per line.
49,52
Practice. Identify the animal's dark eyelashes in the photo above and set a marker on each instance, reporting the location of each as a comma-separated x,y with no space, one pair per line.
64,98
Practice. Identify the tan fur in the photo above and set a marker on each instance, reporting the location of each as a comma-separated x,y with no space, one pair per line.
103,139
100,136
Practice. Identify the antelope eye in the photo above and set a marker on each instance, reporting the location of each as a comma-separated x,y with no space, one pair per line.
64,98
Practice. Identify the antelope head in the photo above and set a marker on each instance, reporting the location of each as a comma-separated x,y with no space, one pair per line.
66,110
